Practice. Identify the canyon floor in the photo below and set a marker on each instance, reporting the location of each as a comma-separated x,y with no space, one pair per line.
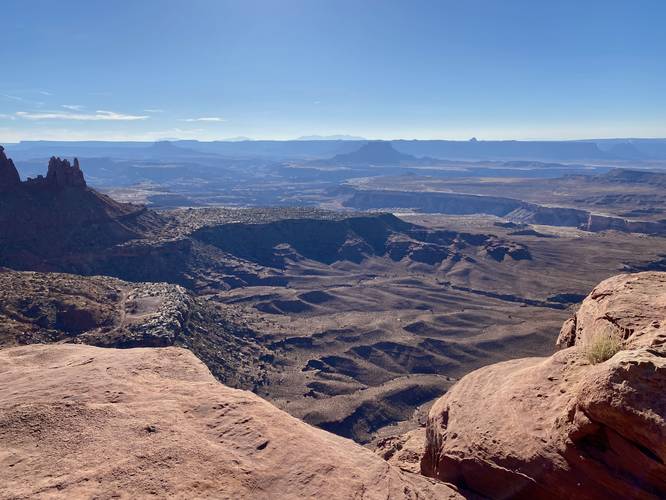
362,349
360,346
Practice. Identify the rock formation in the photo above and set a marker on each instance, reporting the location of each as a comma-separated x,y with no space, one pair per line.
47,220
403,451
561,427
61,174
597,223
79,421
9,176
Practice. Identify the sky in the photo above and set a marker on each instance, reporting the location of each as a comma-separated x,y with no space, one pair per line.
279,69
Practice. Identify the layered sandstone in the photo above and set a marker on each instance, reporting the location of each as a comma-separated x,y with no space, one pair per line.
560,427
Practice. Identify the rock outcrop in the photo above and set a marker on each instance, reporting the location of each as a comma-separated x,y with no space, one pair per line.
629,307
107,312
403,451
561,427
57,222
9,176
87,422
61,174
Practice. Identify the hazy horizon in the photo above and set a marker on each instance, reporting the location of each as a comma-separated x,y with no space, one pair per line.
329,138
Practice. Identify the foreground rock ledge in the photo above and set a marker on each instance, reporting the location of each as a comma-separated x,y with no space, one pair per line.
79,421
560,427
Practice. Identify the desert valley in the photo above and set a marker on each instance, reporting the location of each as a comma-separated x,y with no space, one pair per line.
349,250
354,313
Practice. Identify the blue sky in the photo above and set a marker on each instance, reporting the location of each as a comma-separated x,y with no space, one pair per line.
213,69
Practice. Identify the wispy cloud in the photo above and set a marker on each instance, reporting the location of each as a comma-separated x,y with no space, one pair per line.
44,92
7,117
17,98
205,119
99,115
12,97
72,107
153,110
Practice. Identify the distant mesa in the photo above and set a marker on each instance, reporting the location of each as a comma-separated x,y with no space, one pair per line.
372,153
625,151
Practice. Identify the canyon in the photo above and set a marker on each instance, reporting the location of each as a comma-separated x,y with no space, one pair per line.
371,325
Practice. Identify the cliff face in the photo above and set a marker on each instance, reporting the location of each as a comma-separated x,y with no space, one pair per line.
113,430
9,176
512,209
561,427
596,223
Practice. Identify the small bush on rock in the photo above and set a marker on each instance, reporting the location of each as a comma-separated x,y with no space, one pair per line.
601,348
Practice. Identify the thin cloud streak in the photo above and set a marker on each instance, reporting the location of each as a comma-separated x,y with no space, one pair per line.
205,119
99,115
12,97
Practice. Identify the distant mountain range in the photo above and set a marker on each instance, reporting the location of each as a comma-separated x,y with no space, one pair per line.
312,147
331,138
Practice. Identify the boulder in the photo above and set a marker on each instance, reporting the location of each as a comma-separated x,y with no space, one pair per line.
562,427
629,307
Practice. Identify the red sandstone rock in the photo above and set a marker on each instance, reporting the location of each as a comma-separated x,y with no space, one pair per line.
559,427
403,451
86,422
632,308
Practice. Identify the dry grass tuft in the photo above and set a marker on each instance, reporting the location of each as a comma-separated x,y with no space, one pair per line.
601,348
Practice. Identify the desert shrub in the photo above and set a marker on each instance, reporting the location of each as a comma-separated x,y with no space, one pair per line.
602,347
